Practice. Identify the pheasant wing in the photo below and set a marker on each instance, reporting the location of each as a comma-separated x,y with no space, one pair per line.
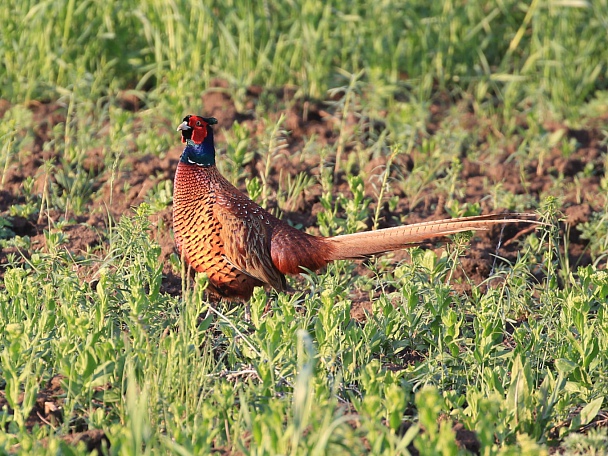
246,239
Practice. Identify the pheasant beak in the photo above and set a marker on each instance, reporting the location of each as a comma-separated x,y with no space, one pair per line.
184,126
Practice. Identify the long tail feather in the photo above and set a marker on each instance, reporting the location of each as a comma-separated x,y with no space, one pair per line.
360,245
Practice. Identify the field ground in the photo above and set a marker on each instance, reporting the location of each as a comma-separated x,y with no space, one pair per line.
494,343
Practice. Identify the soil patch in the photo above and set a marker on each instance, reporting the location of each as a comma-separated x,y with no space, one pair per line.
48,411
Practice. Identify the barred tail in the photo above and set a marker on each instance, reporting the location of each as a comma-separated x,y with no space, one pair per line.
360,245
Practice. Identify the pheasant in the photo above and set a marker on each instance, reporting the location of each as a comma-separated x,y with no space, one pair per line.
239,245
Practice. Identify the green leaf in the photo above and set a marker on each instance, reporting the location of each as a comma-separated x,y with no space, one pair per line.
591,410
565,366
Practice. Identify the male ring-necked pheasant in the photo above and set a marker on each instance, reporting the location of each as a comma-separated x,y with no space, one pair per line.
239,245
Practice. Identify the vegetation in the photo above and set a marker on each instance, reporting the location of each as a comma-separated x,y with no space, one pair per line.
417,108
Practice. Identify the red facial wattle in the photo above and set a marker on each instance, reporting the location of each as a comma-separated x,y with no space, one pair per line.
193,128
199,129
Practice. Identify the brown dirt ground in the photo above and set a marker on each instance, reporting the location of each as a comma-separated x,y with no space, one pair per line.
141,172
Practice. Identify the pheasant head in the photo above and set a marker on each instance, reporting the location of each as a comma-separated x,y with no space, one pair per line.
197,134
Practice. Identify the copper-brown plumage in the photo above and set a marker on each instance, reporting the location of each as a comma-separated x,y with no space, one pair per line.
239,245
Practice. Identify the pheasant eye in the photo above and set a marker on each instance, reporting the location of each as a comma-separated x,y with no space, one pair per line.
198,123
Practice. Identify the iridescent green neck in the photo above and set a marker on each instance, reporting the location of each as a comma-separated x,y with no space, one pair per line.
200,154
